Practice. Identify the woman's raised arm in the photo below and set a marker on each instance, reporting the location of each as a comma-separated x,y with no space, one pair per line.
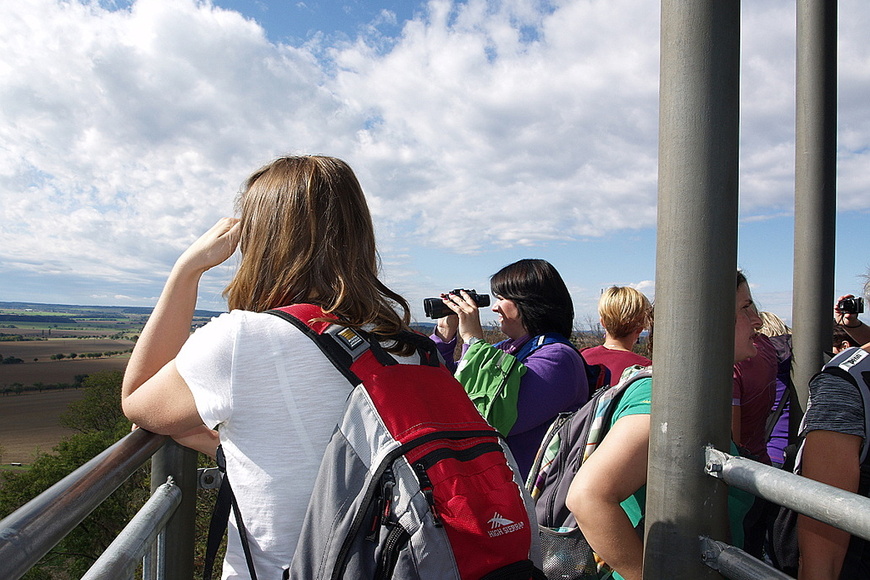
165,399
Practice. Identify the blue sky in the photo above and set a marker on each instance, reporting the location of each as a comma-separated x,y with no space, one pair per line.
482,132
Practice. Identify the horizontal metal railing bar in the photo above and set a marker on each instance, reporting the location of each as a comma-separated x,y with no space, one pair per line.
122,556
828,504
735,564
28,533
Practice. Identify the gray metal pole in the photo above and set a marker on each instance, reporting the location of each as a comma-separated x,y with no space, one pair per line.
815,189
830,505
736,564
177,462
695,282
122,556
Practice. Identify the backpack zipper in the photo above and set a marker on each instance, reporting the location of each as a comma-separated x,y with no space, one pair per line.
383,506
428,492
395,542
371,490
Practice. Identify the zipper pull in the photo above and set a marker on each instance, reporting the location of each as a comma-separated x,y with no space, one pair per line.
426,488
387,493
383,506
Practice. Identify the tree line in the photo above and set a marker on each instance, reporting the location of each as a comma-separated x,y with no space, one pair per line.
99,423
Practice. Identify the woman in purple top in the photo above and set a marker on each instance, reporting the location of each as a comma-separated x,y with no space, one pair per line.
531,300
777,436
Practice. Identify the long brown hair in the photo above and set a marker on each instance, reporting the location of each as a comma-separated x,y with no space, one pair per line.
307,237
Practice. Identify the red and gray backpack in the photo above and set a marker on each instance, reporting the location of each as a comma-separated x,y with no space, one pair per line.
414,482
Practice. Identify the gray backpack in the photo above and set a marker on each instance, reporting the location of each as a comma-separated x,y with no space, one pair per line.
570,440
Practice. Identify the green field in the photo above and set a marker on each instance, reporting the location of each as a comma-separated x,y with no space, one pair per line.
53,343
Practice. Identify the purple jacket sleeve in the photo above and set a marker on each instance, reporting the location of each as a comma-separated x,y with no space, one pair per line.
446,349
555,381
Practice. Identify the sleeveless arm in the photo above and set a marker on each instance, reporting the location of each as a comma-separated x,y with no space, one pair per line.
595,494
830,458
834,429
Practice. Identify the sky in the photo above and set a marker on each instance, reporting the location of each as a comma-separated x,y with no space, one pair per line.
482,132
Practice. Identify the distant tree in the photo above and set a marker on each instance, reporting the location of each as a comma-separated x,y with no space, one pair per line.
100,423
100,408
73,355
60,356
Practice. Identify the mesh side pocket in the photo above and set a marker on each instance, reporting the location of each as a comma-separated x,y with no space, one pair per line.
567,555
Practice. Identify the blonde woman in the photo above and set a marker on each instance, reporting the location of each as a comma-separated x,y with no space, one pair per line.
624,313
305,236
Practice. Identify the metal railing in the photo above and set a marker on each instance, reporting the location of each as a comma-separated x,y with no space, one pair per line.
30,532
836,507
134,543
735,564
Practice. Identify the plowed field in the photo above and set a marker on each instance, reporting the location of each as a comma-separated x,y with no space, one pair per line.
29,421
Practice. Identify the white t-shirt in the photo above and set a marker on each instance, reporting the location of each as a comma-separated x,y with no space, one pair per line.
275,400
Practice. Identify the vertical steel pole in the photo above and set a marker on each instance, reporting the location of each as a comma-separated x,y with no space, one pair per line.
176,559
695,282
815,189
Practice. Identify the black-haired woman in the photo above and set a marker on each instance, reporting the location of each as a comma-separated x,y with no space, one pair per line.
533,305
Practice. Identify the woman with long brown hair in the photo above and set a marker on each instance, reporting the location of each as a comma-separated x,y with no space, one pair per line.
306,236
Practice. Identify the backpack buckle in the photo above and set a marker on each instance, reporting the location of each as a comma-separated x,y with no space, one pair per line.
351,341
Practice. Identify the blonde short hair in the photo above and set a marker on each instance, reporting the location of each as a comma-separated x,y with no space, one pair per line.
772,325
623,310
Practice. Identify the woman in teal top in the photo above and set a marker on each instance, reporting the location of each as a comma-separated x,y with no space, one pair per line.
608,494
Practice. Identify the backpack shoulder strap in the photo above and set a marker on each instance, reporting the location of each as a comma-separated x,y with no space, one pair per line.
773,417
341,348
606,404
537,342
217,527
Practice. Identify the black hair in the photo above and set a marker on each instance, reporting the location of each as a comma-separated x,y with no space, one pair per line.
540,294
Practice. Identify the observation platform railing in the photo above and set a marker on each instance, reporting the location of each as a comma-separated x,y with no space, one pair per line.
30,532
34,529
841,509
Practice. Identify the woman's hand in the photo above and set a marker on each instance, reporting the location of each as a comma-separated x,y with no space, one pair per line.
446,327
213,247
468,315
847,319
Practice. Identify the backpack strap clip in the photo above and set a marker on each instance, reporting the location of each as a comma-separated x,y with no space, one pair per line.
351,341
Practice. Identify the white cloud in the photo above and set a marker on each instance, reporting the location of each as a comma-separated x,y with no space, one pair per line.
496,135
125,133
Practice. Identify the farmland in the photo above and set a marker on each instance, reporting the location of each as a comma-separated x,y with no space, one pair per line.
29,422
46,350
